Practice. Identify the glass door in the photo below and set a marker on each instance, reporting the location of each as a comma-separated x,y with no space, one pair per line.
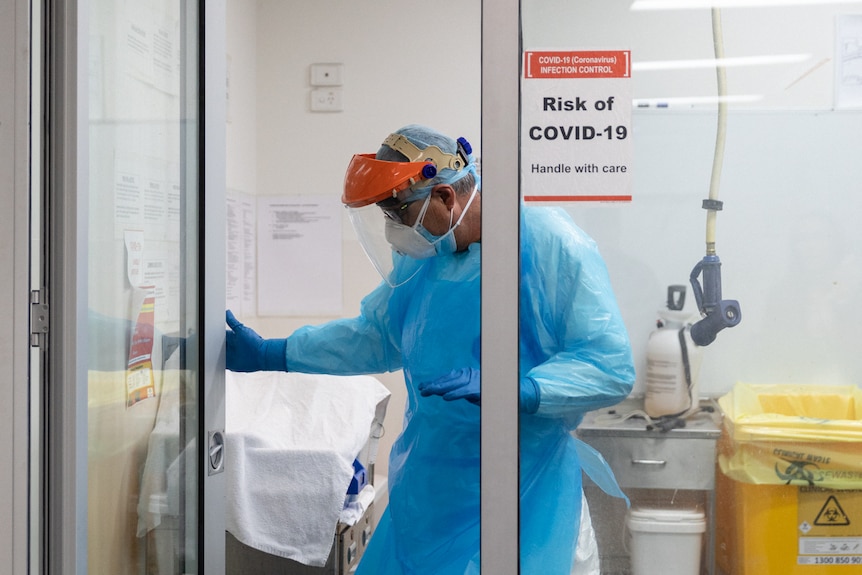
726,110
133,400
142,248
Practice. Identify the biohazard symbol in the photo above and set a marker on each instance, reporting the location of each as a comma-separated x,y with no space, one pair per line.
832,514
797,471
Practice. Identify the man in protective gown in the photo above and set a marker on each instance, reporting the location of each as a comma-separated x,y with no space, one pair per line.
416,206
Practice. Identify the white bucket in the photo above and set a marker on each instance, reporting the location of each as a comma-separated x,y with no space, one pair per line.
665,541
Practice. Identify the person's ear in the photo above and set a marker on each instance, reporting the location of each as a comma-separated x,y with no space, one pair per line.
446,193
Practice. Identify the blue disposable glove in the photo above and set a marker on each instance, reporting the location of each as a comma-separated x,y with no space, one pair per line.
465,384
457,384
247,351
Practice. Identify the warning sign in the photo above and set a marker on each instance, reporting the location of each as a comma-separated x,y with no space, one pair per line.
830,526
576,138
577,64
832,514
139,375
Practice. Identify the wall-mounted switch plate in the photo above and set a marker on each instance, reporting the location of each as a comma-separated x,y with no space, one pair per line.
326,74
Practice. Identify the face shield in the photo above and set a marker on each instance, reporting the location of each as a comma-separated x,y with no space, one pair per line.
370,225
377,194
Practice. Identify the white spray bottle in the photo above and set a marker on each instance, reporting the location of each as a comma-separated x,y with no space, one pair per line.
673,361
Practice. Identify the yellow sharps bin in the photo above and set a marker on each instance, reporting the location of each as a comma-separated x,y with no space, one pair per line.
789,483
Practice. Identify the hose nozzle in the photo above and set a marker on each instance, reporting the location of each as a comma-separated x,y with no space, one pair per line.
717,313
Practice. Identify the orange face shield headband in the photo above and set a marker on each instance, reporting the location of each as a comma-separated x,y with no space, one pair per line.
369,180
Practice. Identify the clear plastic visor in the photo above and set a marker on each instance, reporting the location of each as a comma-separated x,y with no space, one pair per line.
369,222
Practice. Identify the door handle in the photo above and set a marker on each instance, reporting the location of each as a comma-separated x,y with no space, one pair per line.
215,449
655,462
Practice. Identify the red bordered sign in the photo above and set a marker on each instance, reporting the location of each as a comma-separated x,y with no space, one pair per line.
570,64
576,138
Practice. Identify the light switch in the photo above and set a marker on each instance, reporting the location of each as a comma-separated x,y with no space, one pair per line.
326,74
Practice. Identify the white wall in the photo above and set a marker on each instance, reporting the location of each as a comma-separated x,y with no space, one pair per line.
789,162
242,115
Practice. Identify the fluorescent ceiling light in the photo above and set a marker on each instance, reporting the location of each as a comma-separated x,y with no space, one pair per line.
639,5
682,101
720,62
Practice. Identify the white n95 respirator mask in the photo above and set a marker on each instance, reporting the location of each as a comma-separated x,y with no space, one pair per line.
417,242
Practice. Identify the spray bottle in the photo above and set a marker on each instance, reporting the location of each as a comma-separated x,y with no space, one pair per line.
673,361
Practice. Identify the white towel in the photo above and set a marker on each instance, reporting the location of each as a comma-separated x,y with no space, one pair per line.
357,505
290,442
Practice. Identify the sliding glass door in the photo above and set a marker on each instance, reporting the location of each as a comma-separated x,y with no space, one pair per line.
132,416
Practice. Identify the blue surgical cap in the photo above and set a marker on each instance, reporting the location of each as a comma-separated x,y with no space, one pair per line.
422,137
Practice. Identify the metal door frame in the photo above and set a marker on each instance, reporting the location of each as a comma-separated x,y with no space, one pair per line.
14,284
211,231
500,499
63,415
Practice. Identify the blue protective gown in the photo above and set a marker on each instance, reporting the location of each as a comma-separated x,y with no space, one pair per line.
573,344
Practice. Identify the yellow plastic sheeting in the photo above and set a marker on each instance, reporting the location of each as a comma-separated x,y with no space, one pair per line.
792,435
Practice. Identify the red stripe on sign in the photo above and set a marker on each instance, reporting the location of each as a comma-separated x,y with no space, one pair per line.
569,64
577,198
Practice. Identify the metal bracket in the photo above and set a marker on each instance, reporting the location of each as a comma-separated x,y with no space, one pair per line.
39,319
